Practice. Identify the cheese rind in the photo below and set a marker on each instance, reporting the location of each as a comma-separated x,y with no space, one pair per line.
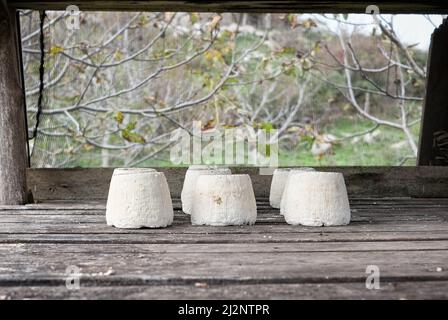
316,199
282,201
222,200
139,198
278,183
191,177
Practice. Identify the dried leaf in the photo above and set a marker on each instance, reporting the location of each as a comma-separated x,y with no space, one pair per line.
309,23
215,22
292,19
168,16
88,147
209,125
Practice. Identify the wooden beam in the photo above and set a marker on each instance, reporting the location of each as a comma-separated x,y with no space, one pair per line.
13,158
272,6
362,182
434,132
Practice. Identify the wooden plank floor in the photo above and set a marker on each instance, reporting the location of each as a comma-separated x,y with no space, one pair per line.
406,238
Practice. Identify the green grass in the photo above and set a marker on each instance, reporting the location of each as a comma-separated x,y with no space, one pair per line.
347,153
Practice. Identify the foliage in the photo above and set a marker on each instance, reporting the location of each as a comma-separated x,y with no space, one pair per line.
117,88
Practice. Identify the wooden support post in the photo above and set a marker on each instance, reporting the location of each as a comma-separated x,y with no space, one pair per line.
13,158
434,131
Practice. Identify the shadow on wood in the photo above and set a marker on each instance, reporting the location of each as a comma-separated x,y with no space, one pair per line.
93,184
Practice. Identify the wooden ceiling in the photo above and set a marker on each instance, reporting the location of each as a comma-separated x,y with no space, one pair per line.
271,6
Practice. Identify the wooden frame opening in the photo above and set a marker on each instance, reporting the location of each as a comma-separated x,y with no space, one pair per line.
13,164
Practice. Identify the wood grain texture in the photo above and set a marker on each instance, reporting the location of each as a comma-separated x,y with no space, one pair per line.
386,6
362,182
13,158
352,290
406,238
42,266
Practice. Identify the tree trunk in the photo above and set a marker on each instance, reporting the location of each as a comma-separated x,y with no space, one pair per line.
13,158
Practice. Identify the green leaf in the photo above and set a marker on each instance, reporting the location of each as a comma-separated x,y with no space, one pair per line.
119,117
118,55
232,80
56,49
267,126
290,71
289,50
132,136
130,126
194,17
143,21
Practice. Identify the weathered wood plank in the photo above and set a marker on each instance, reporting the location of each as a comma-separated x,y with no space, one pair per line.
388,204
398,211
360,210
13,155
266,224
98,217
132,268
182,220
233,238
362,182
225,248
352,290
434,132
406,238
182,229
99,208
372,219
391,6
